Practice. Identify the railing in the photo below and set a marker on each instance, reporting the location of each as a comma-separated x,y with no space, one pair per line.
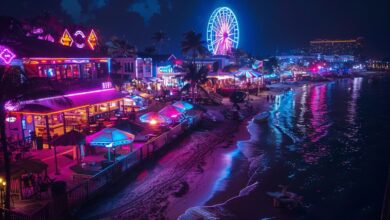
42,214
82,192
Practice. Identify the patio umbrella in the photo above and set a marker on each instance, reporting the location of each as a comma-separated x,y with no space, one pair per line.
171,112
110,137
154,118
68,139
183,105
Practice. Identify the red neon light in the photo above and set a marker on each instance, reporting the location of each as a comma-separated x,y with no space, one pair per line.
66,39
92,40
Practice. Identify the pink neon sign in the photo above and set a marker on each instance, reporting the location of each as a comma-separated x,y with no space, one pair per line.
7,56
82,35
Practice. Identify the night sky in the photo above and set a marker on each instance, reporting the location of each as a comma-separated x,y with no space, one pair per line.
266,26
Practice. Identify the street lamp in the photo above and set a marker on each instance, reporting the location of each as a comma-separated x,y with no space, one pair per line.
2,190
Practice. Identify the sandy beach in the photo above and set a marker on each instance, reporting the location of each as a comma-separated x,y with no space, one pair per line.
191,172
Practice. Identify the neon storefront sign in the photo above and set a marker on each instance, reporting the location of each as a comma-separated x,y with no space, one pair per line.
79,39
66,39
92,40
165,69
6,55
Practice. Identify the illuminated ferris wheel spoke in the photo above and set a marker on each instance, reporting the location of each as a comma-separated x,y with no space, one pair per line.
222,31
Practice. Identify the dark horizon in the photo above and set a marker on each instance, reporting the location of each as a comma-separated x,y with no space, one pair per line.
265,28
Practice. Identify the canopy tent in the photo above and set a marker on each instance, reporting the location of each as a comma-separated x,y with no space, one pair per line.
25,166
171,112
154,118
183,105
72,138
109,138
247,73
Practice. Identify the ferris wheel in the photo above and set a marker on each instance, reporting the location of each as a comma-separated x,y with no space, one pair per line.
222,31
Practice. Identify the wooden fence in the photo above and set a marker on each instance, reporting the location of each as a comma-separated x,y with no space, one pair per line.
90,187
85,190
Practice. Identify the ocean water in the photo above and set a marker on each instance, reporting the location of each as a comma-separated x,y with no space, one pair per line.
329,143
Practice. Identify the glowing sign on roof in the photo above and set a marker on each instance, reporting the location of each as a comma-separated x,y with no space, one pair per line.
165,69
79,38
7,55
66,39
92,40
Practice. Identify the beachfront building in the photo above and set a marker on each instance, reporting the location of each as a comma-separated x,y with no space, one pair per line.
134,67
81,72
169,71
213,62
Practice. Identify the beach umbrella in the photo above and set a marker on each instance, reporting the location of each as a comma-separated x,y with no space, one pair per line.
183,105
154,118
109,138
68,139
171,111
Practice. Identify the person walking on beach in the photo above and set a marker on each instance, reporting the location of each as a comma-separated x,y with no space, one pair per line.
267,98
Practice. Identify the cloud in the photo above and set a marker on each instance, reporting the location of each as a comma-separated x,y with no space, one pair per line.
146,8
72,8
82,12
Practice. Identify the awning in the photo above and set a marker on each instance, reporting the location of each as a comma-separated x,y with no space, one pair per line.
77,100
154,118
183,105
247,73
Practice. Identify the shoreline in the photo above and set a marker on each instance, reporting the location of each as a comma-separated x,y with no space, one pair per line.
209,162
219,204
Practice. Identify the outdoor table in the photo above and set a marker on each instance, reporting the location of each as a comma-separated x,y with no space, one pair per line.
100,119
113,119
125,118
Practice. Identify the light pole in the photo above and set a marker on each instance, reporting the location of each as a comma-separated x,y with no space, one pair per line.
2,190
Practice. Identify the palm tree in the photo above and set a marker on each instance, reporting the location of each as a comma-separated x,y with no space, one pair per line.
195,78
193,45
159,38
120,48
16,87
